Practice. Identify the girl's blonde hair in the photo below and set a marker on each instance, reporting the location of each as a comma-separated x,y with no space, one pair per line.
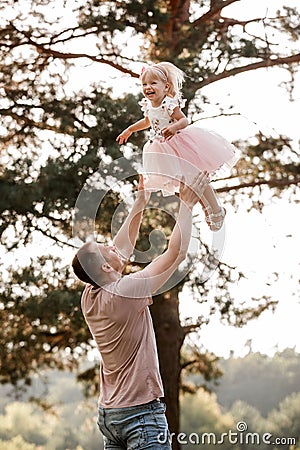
169,73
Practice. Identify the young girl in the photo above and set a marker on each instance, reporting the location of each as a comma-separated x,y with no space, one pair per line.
174,146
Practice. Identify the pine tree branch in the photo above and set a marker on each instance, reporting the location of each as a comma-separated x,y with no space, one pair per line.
194,326
50,235
189,363
214,116
48,52
228,21
265,63
213,12
99,59
29,122
55,39
271,183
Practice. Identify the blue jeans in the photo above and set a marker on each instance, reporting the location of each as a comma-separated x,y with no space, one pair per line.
136,427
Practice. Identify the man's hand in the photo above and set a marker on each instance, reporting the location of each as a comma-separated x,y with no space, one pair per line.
161,269
190,194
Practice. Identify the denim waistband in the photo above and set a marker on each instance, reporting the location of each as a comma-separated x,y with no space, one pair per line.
156,400
153,404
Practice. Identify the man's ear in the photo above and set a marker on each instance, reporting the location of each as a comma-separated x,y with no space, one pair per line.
106,268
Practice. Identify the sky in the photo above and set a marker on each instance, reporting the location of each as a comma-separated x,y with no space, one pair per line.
257,243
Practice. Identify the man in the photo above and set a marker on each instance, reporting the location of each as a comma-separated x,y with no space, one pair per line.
131,414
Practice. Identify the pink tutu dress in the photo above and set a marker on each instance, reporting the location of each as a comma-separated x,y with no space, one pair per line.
165,162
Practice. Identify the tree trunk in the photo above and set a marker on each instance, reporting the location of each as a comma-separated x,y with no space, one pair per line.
167,43
170,337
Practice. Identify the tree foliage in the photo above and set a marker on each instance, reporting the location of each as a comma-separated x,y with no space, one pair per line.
16,442
259,380
59,118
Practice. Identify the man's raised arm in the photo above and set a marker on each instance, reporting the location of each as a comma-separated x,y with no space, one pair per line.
161,269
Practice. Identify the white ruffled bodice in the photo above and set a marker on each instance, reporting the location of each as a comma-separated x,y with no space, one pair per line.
161,116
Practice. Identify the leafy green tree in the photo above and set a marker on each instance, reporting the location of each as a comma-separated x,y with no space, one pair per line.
281,423
16,442
259,380
255,425
23,419
203,421
285,420
53,135
51,427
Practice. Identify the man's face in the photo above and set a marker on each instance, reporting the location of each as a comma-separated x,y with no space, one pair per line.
111,256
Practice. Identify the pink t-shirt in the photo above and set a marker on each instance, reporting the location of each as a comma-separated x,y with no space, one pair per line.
120,322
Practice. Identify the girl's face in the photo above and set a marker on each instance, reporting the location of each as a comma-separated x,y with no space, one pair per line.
154,88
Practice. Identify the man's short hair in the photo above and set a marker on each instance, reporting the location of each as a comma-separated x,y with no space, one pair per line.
87,263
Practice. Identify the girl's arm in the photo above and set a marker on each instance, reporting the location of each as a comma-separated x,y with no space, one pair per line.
138,126
181,122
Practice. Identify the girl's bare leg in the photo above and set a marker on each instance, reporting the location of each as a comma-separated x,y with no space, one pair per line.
214,212
210,200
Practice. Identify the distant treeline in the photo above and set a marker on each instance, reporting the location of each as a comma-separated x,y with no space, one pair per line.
257,398
259,380
261,391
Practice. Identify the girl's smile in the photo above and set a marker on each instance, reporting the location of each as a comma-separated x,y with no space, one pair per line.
155,90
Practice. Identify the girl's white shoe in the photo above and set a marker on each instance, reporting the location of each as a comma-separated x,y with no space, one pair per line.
215,220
